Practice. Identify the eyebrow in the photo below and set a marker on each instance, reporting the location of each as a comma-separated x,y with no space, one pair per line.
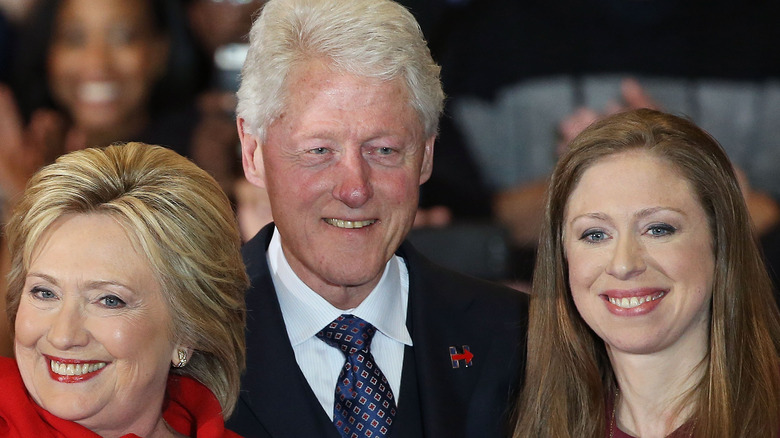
638,215
93,284
648,211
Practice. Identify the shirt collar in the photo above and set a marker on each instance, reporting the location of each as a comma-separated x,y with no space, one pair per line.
305,312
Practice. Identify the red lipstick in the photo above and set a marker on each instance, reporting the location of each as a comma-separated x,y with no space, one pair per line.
633,302
94,367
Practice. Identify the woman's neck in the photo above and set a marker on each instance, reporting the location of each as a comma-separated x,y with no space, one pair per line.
163,430
653,387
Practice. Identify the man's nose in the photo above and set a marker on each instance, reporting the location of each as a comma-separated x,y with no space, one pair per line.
353,176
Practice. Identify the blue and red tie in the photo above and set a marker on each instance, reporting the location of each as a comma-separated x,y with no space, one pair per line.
364,405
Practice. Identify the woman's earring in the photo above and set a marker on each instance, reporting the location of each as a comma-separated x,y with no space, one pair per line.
182,359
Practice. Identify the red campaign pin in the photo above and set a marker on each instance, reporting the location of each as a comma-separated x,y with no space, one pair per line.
464,356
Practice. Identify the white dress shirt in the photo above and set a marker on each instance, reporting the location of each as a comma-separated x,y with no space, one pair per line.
306,313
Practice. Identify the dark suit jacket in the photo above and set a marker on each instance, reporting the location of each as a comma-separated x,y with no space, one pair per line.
436,401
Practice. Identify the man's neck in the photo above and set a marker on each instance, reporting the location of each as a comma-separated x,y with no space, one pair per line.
344,298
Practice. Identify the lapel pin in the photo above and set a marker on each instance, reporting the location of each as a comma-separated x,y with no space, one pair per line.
464,356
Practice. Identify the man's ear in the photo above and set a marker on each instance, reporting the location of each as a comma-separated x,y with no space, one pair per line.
427,162
251,156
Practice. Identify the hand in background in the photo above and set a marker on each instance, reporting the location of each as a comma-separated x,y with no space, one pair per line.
25,149
436,216
633,96
521,208
764,210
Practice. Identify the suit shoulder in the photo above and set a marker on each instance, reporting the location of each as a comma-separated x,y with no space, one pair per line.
447,285
477,286
253,253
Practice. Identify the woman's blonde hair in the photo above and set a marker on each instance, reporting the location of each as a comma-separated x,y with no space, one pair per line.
183,222
568,373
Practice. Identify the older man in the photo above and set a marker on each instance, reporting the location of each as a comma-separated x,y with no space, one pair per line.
351,332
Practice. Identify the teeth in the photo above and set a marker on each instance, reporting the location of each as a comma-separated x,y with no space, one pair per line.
98,92
630,303
349,224
75,369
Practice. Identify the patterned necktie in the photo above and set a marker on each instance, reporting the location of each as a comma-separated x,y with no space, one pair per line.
364,405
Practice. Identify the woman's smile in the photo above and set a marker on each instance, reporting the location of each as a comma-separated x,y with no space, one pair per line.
73,370
633,302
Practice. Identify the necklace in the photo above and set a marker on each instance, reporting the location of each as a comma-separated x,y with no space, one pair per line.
613,421
612,418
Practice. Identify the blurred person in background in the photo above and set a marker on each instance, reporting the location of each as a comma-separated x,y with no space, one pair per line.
90,73
221,29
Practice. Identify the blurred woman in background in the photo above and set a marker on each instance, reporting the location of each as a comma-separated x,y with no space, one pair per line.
92,73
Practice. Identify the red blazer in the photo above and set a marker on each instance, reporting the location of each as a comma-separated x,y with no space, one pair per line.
191,409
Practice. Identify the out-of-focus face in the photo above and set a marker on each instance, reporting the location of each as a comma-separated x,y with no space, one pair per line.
342,166
222,22
104,60
92,334
640,255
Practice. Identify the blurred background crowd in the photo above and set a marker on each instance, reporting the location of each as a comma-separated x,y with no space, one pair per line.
522,78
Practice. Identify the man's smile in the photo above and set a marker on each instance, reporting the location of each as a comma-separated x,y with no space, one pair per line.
339,223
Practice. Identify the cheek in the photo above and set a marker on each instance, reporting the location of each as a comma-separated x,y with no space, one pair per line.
583,275
397,188
59,60
583,269
62,66
689,263
292,183
293,198
29,326
126,337
119,340
134,63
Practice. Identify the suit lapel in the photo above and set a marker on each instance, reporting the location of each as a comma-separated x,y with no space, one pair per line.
434,316
273,387
408,422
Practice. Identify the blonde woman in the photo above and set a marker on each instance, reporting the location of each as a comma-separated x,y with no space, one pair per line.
126,295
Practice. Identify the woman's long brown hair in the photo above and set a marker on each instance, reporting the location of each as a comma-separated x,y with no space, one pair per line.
568,374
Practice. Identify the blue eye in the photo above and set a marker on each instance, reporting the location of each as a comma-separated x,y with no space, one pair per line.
381,151
42,294
659,230
593,236
112,301
319,151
